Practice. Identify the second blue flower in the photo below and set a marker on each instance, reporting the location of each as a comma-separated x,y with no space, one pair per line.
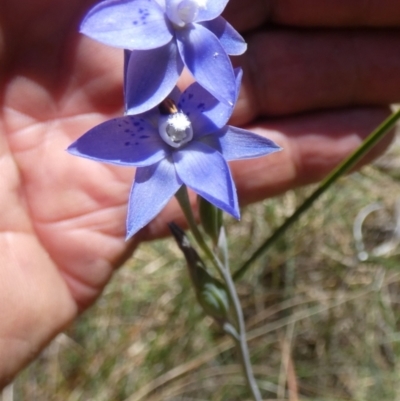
165,36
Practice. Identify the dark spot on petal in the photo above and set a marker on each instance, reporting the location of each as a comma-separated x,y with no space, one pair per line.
127,130
136,143
135,22
127,143
200,105
143,136
132,134
136,123
190,95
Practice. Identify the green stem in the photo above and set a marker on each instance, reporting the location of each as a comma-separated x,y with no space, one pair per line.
343,168
224,271
184,202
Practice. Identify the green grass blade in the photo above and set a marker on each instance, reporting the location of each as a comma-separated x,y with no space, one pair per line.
342,169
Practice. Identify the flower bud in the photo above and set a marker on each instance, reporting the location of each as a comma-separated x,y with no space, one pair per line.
210,292
214,299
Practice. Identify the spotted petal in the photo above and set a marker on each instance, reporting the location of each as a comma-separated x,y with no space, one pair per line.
204,170
129,141
207,61
207,114
154,186
231,41
128,24
151,75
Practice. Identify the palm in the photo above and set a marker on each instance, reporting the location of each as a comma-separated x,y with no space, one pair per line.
69,208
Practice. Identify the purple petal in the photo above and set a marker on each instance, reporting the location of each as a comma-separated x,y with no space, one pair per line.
128,140
154,186
128,24
206,113
207,61
236,143
211,10
127,55
151,76
204,170
238,80
231,41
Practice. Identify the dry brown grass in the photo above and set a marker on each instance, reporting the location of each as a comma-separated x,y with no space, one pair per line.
322,325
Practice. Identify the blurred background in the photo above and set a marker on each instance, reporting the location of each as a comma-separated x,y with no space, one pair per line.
322,311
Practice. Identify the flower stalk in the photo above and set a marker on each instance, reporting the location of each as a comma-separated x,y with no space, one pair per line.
238,333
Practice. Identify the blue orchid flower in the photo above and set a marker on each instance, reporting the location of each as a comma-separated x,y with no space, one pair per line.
183,141
165,36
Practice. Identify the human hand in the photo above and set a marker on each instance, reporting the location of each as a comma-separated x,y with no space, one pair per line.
62,226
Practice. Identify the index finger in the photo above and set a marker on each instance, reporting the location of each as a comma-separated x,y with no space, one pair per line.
249,14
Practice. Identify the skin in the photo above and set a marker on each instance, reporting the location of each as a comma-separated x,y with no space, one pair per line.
318,78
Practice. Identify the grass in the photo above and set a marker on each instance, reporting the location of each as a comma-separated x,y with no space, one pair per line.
322,325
